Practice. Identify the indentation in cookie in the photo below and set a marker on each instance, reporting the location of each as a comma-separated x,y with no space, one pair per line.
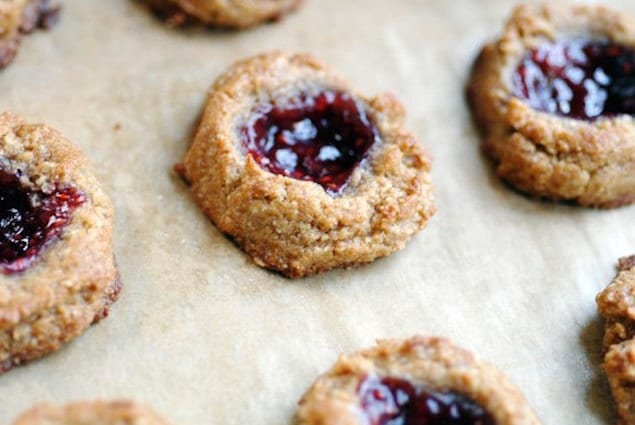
30,220
394,401
314,137
578,78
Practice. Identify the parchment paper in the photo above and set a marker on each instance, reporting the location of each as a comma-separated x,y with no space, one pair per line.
206,337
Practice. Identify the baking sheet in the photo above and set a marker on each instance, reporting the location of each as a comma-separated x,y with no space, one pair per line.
205,336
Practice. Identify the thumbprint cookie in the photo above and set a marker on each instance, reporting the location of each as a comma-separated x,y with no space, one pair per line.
222,13
416,381
302,171
617,305
19,17
555,100
91,413
57,271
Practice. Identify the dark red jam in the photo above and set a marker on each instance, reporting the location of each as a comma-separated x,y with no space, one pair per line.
579,79
316,137
30,220
393,401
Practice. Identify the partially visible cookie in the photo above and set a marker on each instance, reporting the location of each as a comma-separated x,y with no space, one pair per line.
553,97
302,171
222,13
91,413
617,305
416,381
19,17
57,270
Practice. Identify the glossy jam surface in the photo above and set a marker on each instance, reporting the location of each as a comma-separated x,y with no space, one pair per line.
393,401
320,138
578,79
30,220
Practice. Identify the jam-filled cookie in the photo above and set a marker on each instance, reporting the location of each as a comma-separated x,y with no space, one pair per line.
57,271
91,413
617,305
302,171
555,99
416,381
19,17
222,13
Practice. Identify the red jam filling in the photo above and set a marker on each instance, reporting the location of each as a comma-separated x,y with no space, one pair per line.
578,79
393,401
30,220
320,138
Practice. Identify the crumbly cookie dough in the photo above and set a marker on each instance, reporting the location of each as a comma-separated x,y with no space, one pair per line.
230,14
296,227
617,305
431,363
91,413
73,280
19,17
591,163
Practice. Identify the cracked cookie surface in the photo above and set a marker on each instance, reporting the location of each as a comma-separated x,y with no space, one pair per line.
617,305
57,270
91,413
418,380
278,197
554,108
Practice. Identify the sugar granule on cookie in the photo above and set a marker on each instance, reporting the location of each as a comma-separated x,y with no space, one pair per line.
57,270
554,98
303,172
220,13
19,17
122,412
617,305
411,382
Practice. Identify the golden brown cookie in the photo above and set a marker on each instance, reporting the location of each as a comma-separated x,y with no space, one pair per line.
18,17
617,305
302,171
554,99
419,380
57,271
222,13
91,413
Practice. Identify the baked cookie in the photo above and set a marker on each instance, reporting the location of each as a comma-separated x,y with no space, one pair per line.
617,305
91,413
555,98
19,17
222,13
416,381
57,271
303,172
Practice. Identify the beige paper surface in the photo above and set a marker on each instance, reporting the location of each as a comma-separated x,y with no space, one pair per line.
206,337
